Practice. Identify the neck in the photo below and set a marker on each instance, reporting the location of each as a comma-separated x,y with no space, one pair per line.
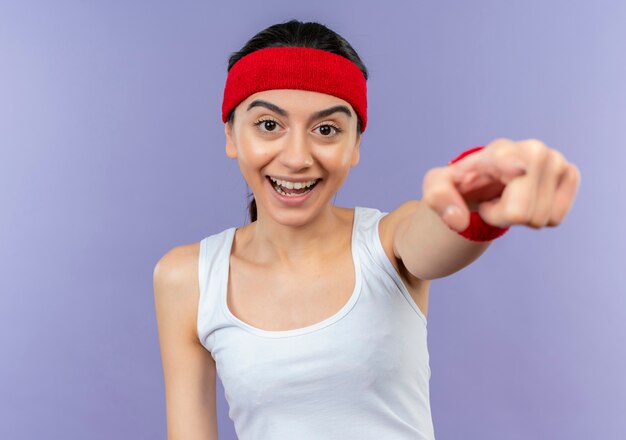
298,244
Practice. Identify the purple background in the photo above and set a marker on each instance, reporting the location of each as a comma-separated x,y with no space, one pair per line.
112,152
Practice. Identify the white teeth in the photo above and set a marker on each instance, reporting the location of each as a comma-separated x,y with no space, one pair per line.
292,185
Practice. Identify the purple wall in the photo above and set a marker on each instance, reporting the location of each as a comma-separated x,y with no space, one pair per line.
112,152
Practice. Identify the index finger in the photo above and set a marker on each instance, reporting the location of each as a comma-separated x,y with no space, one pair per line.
504,164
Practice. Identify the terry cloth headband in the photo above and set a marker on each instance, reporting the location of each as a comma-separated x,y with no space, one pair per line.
300,68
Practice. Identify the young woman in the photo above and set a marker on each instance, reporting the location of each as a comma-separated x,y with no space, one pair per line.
314,315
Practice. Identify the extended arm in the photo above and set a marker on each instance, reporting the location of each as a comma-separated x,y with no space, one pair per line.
503,184
428,248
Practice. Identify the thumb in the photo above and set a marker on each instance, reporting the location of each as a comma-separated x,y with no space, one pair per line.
441,195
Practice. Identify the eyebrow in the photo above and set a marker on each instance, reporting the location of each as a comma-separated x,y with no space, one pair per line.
314,116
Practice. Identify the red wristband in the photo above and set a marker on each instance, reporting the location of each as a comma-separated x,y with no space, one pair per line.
478,230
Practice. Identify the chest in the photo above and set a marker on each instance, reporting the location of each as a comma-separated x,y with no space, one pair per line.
278,300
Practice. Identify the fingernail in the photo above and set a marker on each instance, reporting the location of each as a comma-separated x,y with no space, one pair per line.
520,166
469,177
450,213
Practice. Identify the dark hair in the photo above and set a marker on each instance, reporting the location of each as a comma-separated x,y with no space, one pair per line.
295,33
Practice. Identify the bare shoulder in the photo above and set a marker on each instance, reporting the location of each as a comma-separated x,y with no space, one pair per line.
177,259
188,368
178,263
175,280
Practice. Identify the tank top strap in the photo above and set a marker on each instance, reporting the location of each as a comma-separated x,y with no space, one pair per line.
368,232
371,217
213,256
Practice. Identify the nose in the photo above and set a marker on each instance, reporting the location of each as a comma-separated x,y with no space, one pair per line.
296,153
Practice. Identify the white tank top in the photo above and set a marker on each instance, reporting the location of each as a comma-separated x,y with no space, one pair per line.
362,373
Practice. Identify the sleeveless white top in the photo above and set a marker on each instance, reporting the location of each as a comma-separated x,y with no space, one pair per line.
362,373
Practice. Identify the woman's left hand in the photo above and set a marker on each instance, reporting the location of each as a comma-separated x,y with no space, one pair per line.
539,194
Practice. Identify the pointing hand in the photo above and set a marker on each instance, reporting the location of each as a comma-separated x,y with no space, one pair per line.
507,182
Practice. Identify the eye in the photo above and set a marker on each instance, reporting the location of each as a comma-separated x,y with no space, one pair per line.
268,124
327,128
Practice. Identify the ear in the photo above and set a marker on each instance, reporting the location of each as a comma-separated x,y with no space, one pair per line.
231,148
356,153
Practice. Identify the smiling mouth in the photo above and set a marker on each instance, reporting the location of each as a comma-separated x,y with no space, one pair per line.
290,192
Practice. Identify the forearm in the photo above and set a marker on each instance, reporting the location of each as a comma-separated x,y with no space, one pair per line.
429,249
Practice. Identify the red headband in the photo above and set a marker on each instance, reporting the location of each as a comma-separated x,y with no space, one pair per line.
300,68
